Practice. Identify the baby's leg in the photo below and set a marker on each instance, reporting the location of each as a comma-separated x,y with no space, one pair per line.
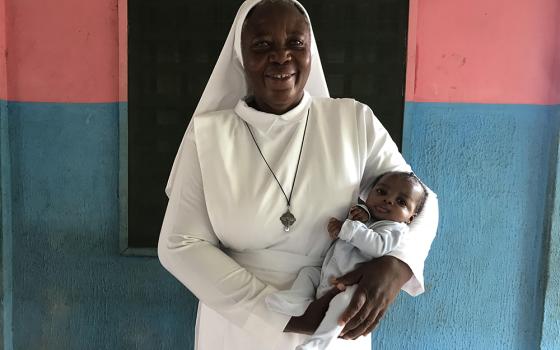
294,301
329,329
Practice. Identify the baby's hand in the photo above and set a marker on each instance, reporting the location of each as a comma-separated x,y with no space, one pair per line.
334,227
338,285
358,213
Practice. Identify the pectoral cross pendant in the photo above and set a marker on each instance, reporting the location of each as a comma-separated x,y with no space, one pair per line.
287,220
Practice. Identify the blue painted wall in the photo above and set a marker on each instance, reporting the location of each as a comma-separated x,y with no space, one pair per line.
71,288
490,165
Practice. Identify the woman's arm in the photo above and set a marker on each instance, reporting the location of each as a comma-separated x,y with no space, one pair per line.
188,249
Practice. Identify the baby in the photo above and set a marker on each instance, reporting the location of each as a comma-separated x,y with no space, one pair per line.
369,232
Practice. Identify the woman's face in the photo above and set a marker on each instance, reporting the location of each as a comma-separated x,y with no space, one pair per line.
276,49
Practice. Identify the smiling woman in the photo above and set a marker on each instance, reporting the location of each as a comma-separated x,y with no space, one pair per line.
266,135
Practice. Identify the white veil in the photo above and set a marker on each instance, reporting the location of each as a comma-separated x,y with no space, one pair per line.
227,82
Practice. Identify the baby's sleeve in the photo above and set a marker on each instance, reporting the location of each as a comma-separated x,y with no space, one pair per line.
380,239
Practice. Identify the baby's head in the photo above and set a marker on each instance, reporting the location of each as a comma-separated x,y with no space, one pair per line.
396,196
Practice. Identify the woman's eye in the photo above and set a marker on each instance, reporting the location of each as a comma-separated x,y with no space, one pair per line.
401,202
380,191
261,45
297,43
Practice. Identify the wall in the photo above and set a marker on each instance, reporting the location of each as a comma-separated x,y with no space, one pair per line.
70,288
481,125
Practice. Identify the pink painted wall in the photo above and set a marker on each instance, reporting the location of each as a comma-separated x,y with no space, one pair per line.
62,50
482,51
3,68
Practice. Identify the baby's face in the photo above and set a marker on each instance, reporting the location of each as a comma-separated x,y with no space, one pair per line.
395,198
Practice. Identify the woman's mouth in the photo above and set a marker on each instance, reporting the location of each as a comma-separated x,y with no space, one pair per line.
281,81
280,76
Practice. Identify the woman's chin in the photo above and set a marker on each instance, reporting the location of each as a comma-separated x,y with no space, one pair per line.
281,101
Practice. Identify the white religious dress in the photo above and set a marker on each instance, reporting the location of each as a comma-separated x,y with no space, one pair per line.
222,236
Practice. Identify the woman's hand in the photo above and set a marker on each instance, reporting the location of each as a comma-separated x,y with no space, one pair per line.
309,321
379,282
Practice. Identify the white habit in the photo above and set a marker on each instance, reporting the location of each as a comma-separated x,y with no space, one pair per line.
222,236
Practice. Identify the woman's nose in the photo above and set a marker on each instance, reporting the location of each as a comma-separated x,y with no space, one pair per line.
388,201
281,55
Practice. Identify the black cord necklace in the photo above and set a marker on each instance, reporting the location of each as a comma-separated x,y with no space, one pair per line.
287,218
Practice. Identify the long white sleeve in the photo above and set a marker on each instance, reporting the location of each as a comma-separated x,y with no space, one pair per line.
188,249
378,240
383,156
